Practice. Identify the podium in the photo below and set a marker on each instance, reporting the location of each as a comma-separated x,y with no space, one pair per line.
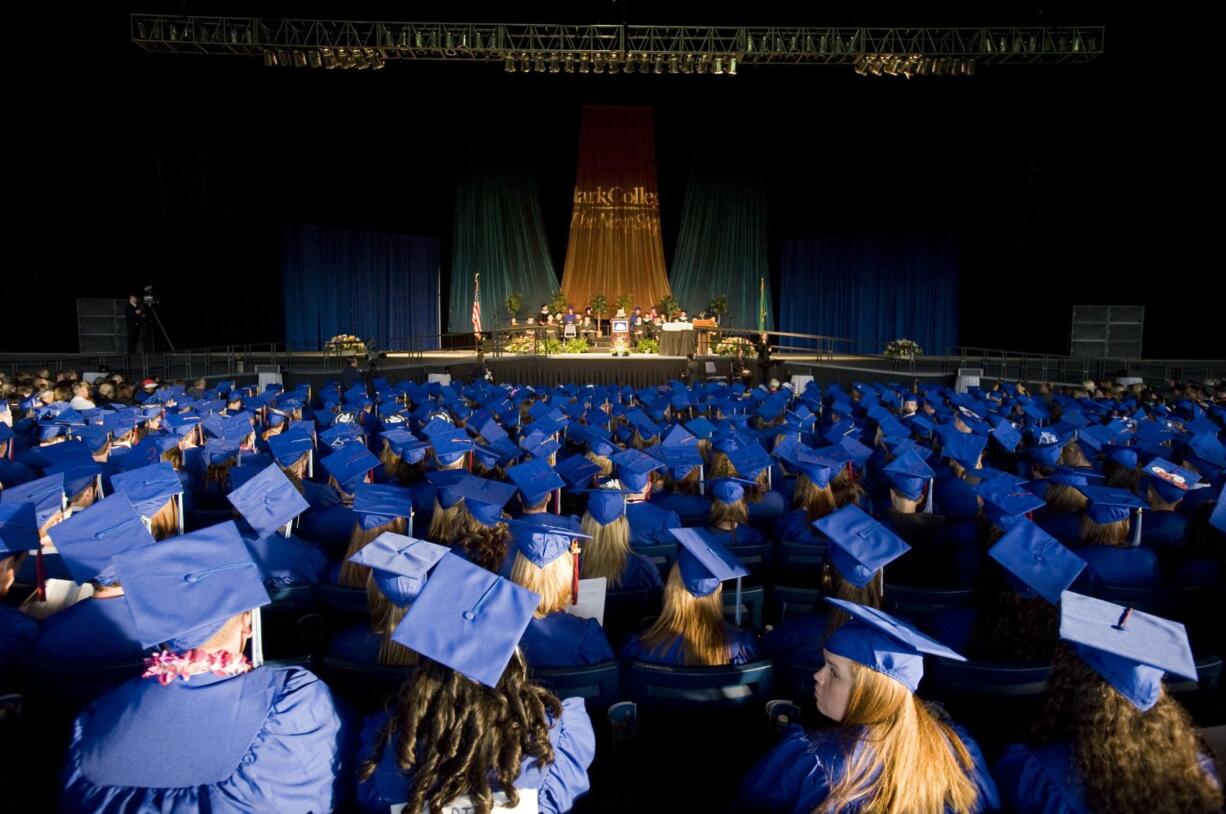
703,328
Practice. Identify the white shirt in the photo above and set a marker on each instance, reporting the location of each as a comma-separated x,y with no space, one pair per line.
79,403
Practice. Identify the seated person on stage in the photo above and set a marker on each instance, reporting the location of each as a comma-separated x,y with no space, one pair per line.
608,553
545,564
691,630
478,731
1110,738
203,730
889,750
570,317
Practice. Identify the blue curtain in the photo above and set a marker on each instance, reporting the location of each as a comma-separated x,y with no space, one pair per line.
499,233
374,286
871,289
722,245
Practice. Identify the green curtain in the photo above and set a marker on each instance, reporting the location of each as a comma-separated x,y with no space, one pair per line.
722,244
499,233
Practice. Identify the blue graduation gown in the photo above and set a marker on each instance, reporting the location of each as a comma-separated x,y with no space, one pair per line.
329,527
557,785
93,631
742,649
286,561
14,473
955,497
18,636
1109,565
267,740
1064,527
649,524
1163,529
763,513
640,573
796,528
563,640
1045,780
692,510
357,644
742,535
798,639
797,774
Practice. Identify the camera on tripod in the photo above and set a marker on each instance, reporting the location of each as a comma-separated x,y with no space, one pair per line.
150,297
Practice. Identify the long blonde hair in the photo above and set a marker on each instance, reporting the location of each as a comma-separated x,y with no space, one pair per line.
1063,499
552,583
448,524
900,758
815,500
836,585
605,463
352,574
165,521
384,616
697,620
1104,534
720,466
606,553
735,513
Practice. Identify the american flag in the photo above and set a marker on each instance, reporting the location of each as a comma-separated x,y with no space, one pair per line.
477,305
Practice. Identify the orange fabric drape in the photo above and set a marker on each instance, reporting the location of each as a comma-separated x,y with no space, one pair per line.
615,245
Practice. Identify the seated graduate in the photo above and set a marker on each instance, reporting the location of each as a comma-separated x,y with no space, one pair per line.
380,507
331,525
155,490
470,729
729,525
537,482
763,504
813,496
1061,518
1114,554
683,478
268,503
1165,487
691,630
890,751
98,629
1015,616
1110,739
860,548
18,632
649,524
607,552
397,569
910,512
203,730
1120,467
546,563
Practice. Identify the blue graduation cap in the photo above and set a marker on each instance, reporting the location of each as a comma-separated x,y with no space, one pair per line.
1122,454
18,528
1171,482
1131,650
1074,476
148,487
634,468
88,540
536,479
1006,501
268,501
541,545
468,619
181,591
907,473
66,452
288,447
818,468
750,460
884,643
484,498
701,428
964,448
451,446
577,471
340,434
704,564
47,495
1040,562
640,421
349,464
860,545
400,565
729,490
378,504
539,445
680,460
217,451
1108,505
606,505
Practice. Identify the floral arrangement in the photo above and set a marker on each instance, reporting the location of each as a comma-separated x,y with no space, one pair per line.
732,345
903,349
574,346
620,345
345,343
646,345
523,343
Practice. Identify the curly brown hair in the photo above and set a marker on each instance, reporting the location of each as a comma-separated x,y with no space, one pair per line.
486,546
453,735
1129,760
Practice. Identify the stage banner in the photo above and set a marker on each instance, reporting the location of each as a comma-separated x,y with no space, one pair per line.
615,245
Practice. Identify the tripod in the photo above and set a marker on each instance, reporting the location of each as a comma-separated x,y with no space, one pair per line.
161,327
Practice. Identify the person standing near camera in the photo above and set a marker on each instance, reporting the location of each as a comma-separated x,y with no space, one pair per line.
134,313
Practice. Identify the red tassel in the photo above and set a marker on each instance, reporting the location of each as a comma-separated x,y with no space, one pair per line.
40,575
557,501
574,582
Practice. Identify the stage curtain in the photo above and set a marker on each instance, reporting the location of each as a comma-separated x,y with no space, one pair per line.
722,246
499,232
615,245
871,289
376,286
